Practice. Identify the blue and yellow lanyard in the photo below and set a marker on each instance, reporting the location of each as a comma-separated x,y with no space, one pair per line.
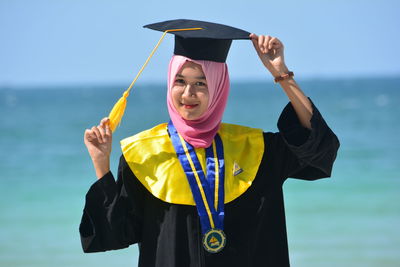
207,189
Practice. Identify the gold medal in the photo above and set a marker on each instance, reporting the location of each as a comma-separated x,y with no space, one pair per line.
214,240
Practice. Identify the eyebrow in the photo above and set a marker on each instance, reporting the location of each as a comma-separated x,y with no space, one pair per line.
198,78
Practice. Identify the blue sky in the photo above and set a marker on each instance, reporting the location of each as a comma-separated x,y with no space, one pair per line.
102,42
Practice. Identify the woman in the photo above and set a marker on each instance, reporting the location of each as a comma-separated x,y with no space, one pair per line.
161,199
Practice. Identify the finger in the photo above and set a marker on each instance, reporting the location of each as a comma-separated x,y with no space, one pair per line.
271,42
104,121
106,133
262,43
108,130
274,43
97,133
266,42
261,39
254,40
102,131
86,135
90,136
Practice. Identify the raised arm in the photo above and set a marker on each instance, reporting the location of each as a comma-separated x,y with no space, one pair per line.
271,52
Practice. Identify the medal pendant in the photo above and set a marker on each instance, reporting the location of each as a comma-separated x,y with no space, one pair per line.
214,240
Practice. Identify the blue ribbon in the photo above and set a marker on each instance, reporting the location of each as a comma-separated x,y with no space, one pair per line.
209,199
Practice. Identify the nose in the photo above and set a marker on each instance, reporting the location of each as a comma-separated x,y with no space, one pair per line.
189,91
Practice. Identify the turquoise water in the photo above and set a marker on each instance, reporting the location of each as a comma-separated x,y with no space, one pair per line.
351,219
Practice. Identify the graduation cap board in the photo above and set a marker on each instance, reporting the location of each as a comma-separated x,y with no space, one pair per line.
210,41
199,40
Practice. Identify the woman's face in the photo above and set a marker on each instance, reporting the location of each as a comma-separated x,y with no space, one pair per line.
190,92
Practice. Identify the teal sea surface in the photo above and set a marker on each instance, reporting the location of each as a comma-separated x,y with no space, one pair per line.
350,219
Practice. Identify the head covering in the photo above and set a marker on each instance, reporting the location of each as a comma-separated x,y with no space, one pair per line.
206,44
201,132
205,40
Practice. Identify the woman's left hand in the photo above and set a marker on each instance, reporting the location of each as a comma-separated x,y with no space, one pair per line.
270,50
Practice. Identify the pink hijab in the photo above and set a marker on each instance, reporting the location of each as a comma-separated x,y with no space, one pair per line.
201,132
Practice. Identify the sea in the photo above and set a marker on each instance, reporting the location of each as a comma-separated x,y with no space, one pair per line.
351,219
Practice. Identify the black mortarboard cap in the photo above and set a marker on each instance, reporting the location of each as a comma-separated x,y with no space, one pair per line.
211,42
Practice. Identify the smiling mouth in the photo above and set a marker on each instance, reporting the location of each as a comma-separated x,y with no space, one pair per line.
189,106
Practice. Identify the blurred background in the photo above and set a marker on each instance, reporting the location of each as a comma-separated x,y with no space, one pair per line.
63,64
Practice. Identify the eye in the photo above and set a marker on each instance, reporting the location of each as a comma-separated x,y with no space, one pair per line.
201,84
180,81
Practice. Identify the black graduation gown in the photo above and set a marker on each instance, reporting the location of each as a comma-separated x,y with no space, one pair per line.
118,214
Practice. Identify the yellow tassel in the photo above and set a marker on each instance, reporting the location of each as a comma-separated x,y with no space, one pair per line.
118,110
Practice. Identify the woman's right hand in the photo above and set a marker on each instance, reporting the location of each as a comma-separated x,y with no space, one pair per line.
98,141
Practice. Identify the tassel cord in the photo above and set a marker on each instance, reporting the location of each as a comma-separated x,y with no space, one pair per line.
118,110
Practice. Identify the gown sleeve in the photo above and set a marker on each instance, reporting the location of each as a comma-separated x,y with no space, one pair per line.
299,152
113,212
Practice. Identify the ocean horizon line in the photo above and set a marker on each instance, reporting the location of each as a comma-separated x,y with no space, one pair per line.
121,84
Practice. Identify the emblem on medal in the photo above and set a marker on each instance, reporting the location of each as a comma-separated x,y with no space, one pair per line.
214,240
